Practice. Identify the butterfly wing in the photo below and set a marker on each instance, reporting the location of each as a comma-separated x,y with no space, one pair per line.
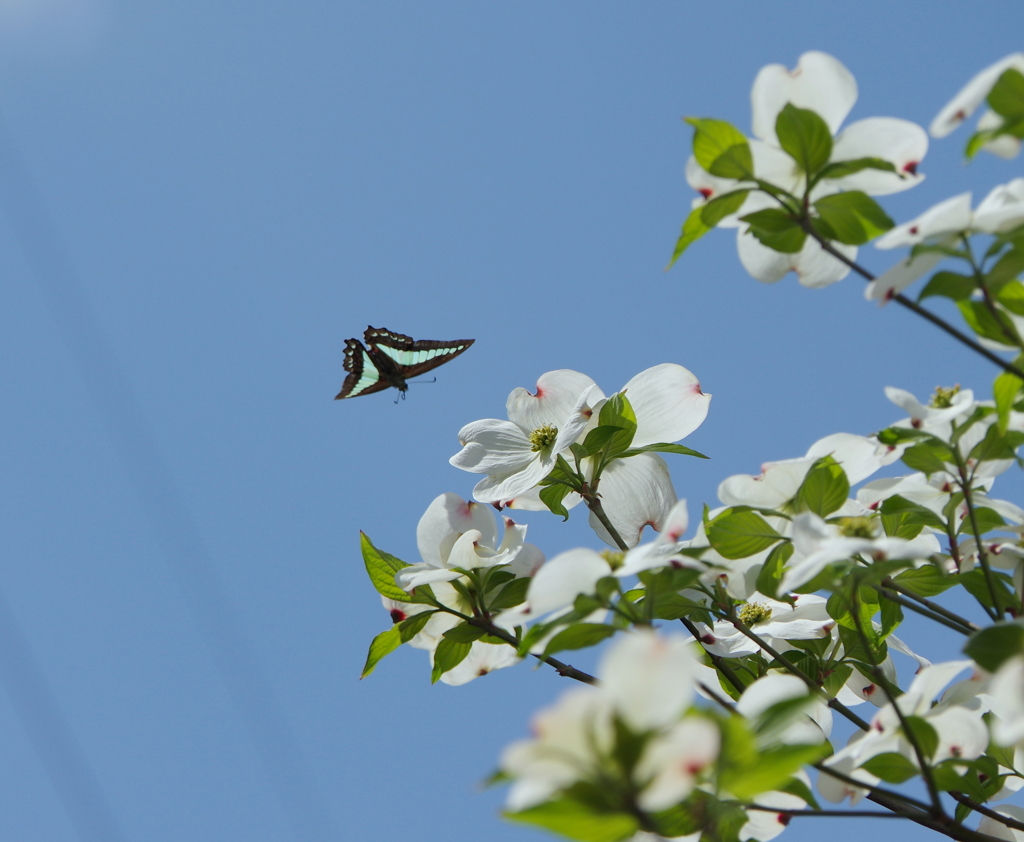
363,377
413,357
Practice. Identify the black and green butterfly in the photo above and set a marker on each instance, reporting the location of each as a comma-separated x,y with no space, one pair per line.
389,359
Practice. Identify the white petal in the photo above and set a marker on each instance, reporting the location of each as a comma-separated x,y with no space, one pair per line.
1002,209
900,142
555,399
997,829
814,267
950,216
672,761
649,678
777,483
561,580
819,82
492,446
709,186
668,403
962,733
859,456
635,492
497,487
447,517
482,659
1007,691
892,282
972,95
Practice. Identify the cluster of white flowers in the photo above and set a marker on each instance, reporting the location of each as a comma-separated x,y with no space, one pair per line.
772,659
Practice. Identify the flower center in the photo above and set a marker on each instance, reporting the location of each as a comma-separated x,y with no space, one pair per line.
943,398
753,612
613,557
856,527
543,437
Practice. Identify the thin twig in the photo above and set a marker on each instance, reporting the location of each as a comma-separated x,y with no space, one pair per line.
965,485
563,669
903,301
892,596
892,584
967,801
835,704
863,814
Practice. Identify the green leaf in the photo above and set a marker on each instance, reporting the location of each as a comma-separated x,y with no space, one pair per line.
996,445
448,655
574,820
770,575
987,520
513,594
693,229
463,633
976,584
1008,267
617,412
739,533
805,137
579,636
994,645
1011,296
949,285
776,229
716,209
381,567
854,216
925,581
382,645
1005,390
892,616
721,149
924,735
772,769
986,325
836,678
663,447
1007,95
412,626
824,489
892,767
613,441
902,518
927,457
552,497
841,169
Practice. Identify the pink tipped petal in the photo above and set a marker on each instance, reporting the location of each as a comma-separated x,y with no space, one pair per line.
709,186
762,263
482,659
973,94
900,142
892,282
819,82
951,216
447,517
635,493
777,484
492,446
668,403
556,398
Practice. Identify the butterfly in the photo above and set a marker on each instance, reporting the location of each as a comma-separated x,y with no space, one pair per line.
389,359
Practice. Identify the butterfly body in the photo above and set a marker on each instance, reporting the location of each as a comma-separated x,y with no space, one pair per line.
390,359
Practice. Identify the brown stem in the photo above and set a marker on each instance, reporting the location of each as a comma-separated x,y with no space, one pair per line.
594,504
903,301
986,811
561,668
835,704
892,584
892,596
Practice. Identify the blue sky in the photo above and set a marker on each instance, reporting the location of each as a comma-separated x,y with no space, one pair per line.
239,189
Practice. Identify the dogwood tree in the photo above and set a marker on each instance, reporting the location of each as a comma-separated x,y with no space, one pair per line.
740,643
